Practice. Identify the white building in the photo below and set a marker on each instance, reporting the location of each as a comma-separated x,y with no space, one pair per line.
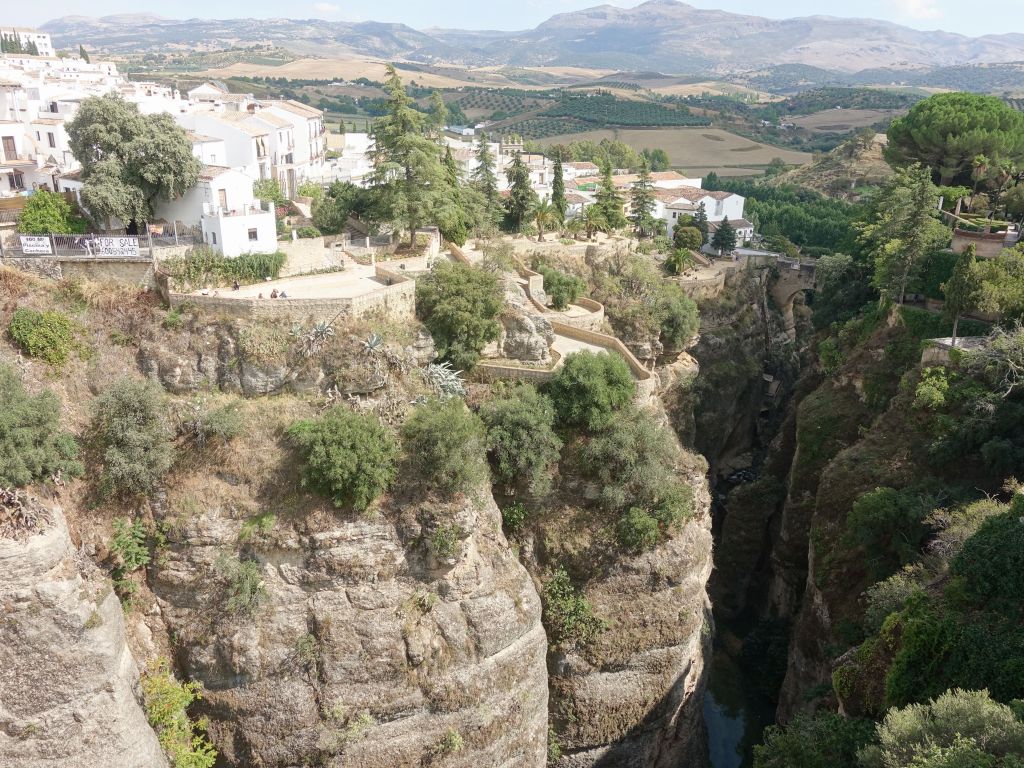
223,207
26,35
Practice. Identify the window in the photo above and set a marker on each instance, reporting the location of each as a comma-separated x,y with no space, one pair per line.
16,180
253,236
49,137
213,238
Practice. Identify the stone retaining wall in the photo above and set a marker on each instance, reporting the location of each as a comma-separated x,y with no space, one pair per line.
394,302
131,271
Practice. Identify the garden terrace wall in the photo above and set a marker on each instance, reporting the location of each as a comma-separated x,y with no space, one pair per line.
646,381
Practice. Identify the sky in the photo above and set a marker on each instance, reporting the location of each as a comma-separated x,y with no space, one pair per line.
992,16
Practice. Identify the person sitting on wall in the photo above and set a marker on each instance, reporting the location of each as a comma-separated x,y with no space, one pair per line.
273,294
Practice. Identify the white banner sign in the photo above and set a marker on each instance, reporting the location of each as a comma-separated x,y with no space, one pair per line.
125,247
36,245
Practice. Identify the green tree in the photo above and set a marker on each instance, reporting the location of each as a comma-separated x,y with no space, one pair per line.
521,197
947,131
656,159
33,447
83,54
521,439
437,113
700,221
269,190
460,305
901,229
963,289
130,161
45,213
408,179
342,199
590,388
445,446
642,203
1001,289
558,189
561,288
687,238
485,179
129,422
544,215
593,221
347,456
724,240
608,200
167,702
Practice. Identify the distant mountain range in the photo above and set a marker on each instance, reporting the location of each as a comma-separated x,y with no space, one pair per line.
663,35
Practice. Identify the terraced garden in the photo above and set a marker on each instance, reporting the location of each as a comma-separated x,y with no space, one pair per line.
605,110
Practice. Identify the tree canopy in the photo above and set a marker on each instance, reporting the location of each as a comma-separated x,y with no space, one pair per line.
48,213
947,131
129,160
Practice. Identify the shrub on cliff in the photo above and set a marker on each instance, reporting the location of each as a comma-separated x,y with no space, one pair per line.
520,437
444,444
822,741
167,702
568,616
561,288
131,428
32,445
460,306
347,456
589,388
50,336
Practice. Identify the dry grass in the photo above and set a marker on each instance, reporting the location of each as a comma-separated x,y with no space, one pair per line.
843,120
103,295
14,283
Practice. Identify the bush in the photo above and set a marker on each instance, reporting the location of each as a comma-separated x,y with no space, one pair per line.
637,531
348,456
444,444
50,336
219,425
167,702
687,238
514,516
678,315
245,591
958,728
136,444
444,541
203,266
892,595
521,439
129,544
269,190
568,615
32,445
822,741
307,232
311,189
451,742
589,388
561,288
460,305
889,526
48,213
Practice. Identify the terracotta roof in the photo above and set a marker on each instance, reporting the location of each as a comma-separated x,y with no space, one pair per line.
210,172
271,119
583,166
736,223
696,195
575,198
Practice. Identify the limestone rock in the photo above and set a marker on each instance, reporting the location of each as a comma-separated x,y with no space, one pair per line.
526,337
68,683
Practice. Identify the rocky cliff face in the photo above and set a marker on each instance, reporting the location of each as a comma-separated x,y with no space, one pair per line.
68,683
368,647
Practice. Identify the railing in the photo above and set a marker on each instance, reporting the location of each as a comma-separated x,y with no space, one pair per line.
209,209
84,247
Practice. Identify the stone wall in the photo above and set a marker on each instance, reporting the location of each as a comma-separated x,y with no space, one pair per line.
646,381
396,301
132,271
306,254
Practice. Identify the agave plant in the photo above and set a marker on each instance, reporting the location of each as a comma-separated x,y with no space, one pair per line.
444,380
315,338
373,344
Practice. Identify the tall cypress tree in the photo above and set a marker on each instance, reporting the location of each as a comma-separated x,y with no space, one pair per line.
558,189
700,221
963,289
642,202
484,177
521,195
609,201
83,54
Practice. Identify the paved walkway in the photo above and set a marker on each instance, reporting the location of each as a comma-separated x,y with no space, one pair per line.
354,281
566,346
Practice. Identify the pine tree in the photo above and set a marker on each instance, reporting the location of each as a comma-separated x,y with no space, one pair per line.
724,240
408,178
437,116
642,202
963,289
609,201
521,195
83,54
32,49
485,179
700,221
558,189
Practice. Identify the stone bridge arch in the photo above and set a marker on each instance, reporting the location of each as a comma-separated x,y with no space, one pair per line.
792,278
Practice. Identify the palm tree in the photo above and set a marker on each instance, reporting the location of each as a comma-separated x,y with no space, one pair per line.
543,214
593,221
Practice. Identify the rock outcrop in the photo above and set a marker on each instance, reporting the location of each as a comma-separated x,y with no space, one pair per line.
371,645
68,683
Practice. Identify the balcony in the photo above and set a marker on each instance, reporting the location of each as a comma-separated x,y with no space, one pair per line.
16,159
211,210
